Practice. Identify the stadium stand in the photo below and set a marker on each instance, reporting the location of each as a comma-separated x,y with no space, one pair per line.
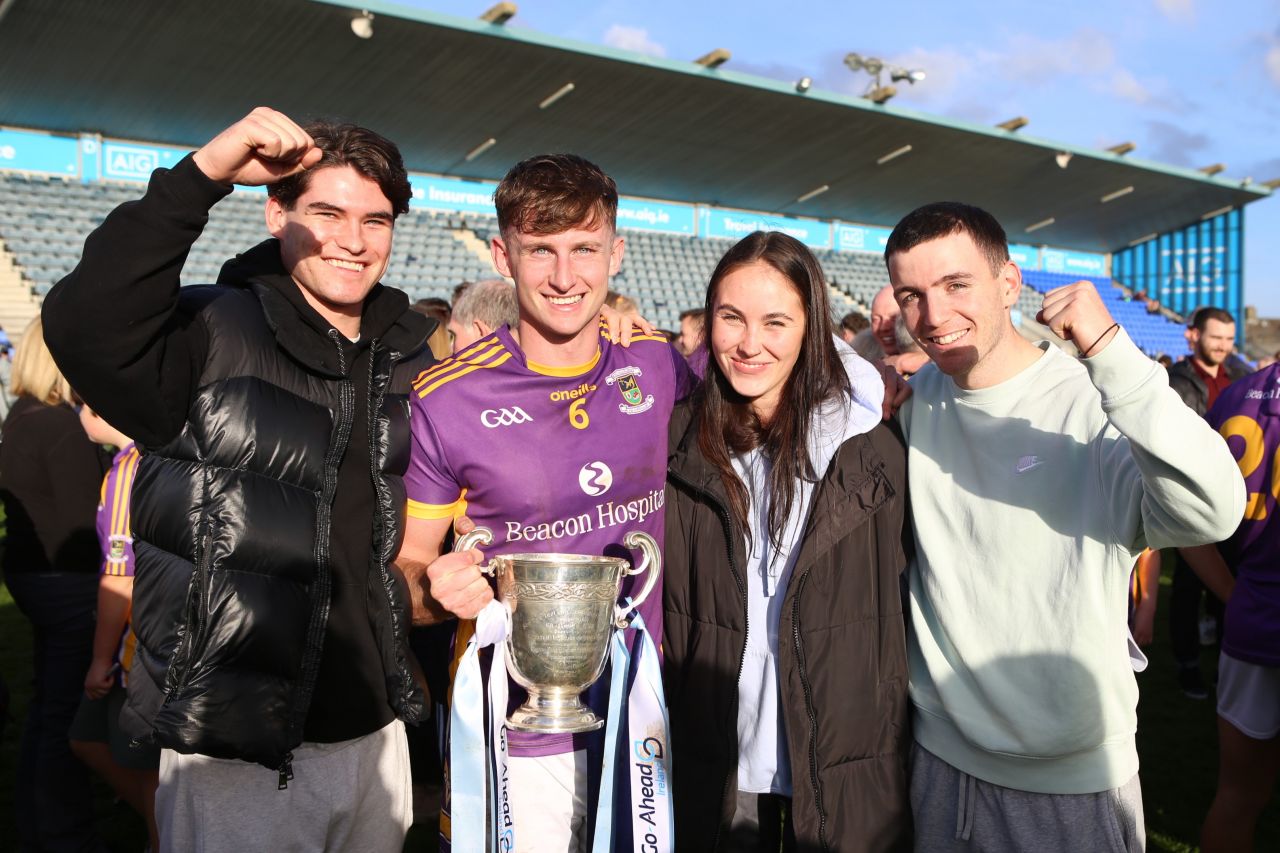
43,222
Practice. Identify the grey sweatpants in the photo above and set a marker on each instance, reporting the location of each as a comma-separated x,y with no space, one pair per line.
953,811
353,795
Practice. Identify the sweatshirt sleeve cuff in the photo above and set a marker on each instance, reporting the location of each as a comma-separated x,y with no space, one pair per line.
1121,369
189,186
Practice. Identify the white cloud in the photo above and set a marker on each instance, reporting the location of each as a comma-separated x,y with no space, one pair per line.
635,39
1128,88
1273,63
1181,11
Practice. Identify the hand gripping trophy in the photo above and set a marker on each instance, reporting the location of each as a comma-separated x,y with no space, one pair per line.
564,608
562,618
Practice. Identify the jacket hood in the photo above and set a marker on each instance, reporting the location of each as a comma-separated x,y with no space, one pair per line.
300,329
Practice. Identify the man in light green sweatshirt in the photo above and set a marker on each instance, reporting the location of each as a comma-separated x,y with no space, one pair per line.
1036,479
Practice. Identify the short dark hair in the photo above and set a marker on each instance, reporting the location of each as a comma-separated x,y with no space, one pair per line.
854,322
373,156
552,193
1201,317
944,218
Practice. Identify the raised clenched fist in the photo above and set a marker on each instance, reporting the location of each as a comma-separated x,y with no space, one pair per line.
261,148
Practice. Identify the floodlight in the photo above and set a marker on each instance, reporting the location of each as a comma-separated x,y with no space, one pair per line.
1043,223
813,193
1213,168
880,94
714,59
1120,193
803,84
362,24
1122,149
556,95
910,75
480,149
499,14
893,155
1015,123
853,61
1063,159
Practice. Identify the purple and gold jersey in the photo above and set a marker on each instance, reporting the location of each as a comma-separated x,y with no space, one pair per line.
1247,415
549,459
115,537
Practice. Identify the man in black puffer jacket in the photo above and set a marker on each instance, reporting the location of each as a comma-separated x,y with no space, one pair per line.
268,504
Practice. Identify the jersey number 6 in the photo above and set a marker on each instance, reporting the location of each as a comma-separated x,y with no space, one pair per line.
578,414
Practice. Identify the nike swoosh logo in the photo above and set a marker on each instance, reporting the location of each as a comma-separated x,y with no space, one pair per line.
1024,467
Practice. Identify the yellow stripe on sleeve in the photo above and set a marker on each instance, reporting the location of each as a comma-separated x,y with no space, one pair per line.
476,354
124,486
430,512
502,359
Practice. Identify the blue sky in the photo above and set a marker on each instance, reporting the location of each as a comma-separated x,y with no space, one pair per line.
1190,82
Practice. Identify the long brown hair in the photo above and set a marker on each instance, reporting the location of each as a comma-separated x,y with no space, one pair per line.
728,426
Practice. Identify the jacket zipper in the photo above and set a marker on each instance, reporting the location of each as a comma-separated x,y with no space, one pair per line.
324,580
196,606
813,717
727,523
384,498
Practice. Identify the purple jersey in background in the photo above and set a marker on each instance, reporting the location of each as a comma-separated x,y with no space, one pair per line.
115,538
549,459
1247,414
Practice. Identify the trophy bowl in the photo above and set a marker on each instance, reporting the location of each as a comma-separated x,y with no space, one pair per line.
564,608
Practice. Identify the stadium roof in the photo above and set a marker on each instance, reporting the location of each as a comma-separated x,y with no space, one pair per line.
440,86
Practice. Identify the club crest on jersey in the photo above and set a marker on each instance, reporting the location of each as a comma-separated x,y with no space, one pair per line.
634,400
115,552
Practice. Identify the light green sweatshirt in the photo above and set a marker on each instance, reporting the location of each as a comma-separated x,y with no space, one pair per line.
1030,501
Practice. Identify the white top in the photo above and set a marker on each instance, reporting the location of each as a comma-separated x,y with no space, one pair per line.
763,764
1030,501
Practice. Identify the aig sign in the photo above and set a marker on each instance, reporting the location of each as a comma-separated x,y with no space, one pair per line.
132,162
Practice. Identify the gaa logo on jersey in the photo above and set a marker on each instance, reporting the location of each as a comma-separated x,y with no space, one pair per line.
504,417
595,478
634,400
115,552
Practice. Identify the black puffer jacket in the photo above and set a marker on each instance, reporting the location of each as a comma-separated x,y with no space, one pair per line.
268,503
842,659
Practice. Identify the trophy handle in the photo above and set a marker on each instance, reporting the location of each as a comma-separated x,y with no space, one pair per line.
477,538
652,563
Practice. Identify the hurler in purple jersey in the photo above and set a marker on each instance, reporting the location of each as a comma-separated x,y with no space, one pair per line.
1247,415
554,438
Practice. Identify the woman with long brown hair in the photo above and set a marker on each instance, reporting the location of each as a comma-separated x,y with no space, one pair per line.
784,642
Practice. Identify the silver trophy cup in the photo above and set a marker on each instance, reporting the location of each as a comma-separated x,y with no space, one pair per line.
564,608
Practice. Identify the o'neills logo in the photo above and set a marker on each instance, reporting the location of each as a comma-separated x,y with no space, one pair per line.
572,393
653,784
635,401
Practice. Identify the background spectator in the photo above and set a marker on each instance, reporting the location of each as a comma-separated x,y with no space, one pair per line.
50,474
691,328
481,308
851,324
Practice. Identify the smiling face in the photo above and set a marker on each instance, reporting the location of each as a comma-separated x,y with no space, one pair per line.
884,314
561,282
335,242
757,331
957,308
